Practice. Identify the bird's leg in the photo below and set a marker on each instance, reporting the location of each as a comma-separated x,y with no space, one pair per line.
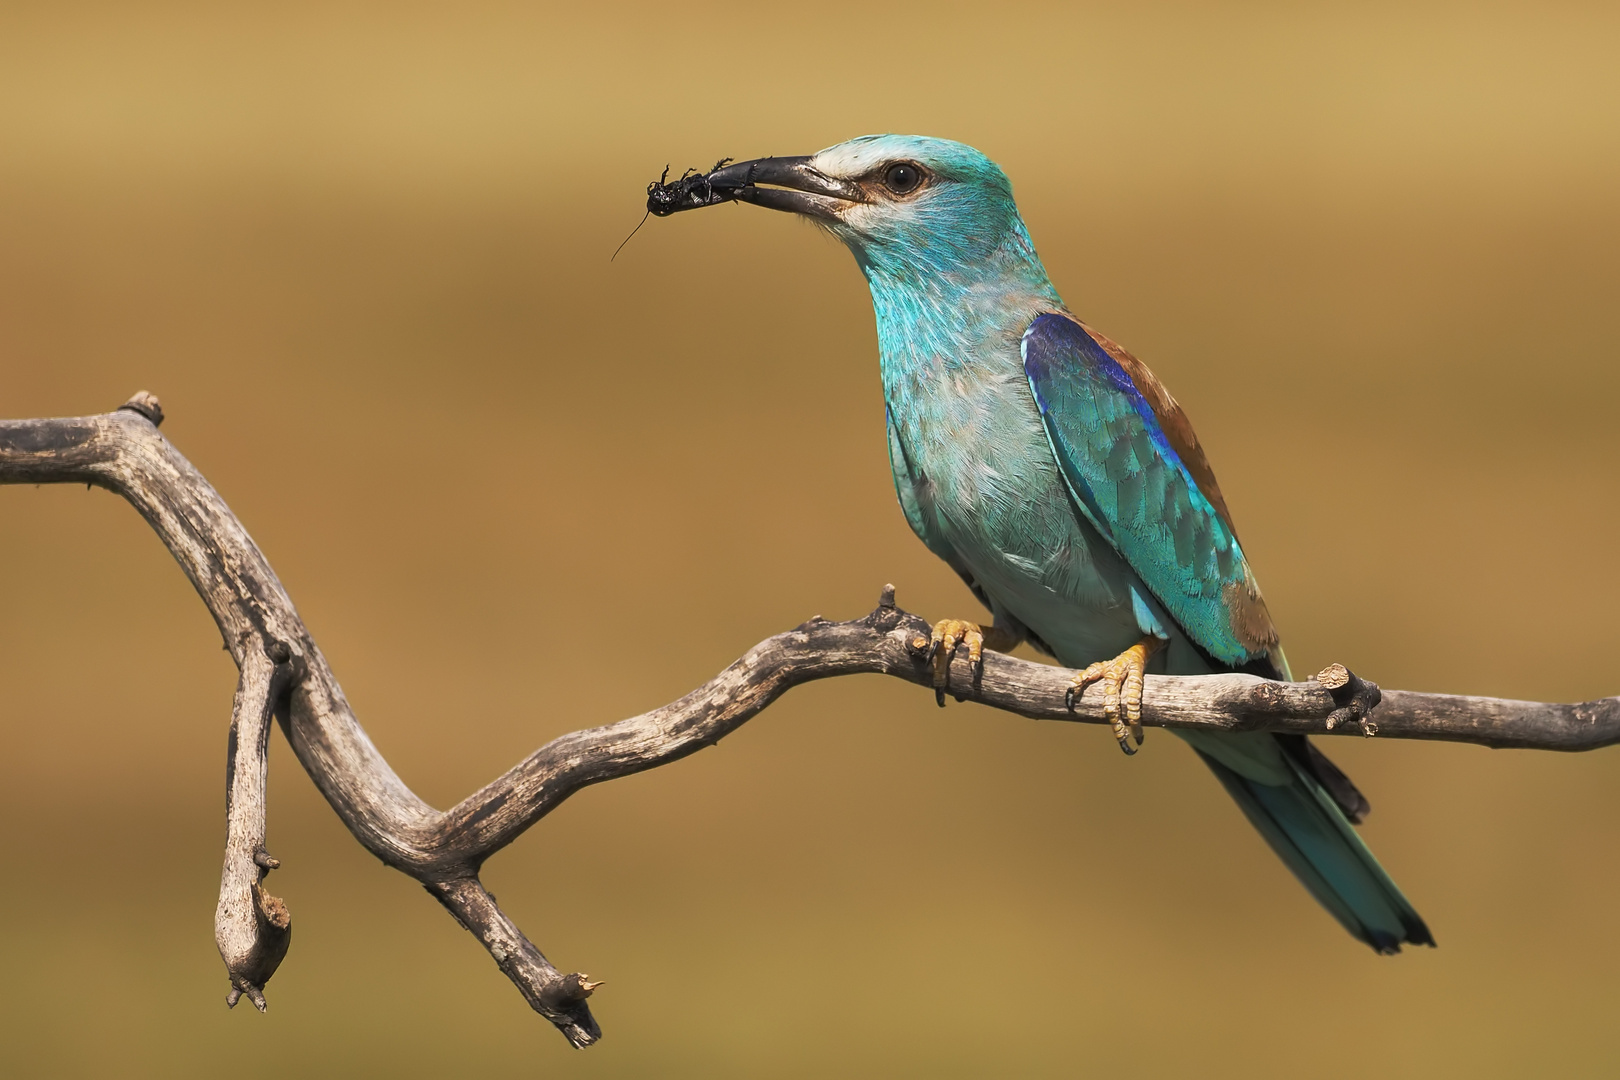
949,633
1122,683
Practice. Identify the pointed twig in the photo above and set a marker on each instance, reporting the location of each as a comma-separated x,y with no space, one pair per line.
559,998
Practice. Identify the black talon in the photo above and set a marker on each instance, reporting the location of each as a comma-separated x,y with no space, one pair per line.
1069,697
1125,745
939,696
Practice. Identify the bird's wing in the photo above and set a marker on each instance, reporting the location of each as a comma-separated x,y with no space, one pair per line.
1136,472
1138,475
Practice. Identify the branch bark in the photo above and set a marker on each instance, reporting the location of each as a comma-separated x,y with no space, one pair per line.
251,927
285,675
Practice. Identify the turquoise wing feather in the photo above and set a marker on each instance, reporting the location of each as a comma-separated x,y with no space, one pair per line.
1129,480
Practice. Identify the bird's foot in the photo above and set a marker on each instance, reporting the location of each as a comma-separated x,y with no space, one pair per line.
948,634
1121,678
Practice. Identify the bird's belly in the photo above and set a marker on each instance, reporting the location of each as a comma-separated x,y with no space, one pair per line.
1083,614
1074,595
1006,513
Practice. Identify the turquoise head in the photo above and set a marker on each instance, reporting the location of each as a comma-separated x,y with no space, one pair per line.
928,206
911,209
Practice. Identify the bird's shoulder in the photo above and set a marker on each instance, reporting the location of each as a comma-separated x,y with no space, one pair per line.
1178,429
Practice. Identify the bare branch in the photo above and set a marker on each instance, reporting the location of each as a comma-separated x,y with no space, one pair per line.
558,998
284,673
251,927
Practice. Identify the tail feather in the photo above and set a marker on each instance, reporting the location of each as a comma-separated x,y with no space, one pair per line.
1330,776
1304,824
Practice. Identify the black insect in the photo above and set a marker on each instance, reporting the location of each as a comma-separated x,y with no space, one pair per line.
691,192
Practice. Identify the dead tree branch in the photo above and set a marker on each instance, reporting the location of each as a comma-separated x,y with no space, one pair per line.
252,927
284,675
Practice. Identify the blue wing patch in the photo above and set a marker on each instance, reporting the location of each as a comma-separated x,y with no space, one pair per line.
1129,481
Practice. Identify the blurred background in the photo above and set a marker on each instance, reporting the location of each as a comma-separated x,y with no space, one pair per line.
362,254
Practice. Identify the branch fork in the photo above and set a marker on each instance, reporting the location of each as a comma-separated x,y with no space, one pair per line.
285,678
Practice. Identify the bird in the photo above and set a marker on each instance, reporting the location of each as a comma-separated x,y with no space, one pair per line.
1058,477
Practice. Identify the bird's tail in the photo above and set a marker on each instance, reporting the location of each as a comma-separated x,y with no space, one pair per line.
1306,827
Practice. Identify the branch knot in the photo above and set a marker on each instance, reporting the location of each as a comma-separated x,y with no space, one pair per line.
146,405
886,616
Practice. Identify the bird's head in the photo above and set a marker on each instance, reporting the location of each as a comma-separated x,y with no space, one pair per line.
906,205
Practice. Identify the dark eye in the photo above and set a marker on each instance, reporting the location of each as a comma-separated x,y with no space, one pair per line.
902,177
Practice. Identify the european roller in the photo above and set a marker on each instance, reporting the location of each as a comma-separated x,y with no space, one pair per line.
1051,470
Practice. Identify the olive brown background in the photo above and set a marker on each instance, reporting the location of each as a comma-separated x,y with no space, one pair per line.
361,252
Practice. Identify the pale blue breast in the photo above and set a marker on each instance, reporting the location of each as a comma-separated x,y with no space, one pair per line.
986,495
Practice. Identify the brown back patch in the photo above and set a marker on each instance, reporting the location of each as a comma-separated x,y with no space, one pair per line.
1251,622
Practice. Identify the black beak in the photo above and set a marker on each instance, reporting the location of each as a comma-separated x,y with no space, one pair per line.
790,184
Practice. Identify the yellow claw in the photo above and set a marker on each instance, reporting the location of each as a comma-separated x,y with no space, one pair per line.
948,634
1122,684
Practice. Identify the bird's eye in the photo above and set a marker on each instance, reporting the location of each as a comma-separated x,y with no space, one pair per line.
902,177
